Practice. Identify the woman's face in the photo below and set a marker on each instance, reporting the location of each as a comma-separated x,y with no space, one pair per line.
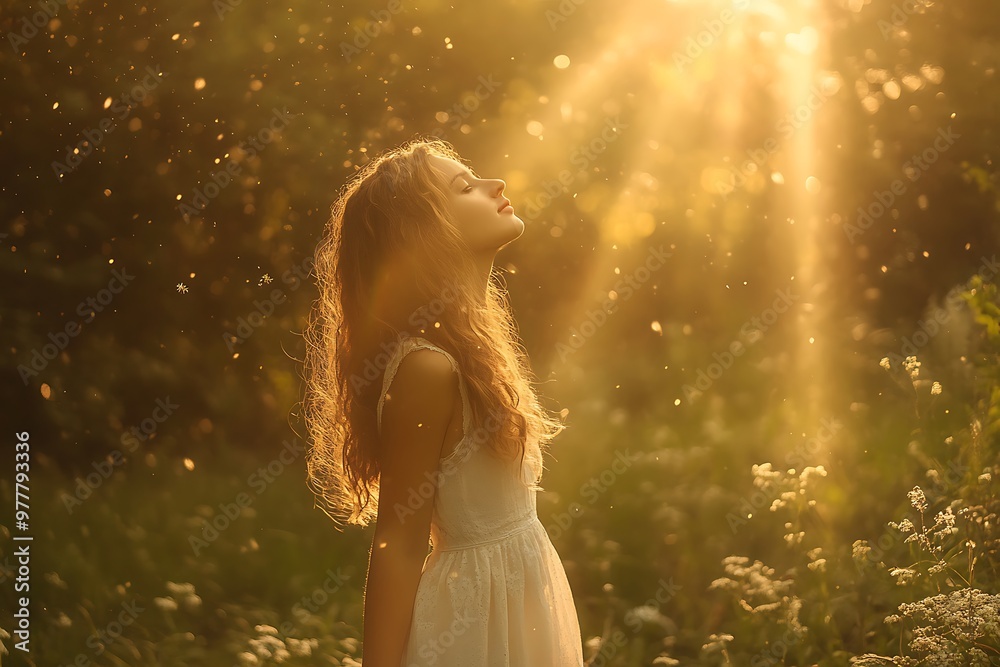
482,214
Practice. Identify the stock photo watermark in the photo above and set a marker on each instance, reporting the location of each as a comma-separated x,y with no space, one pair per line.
786,126
591,491
247,325
93,137
913,169
868,553
774,488
582,156
928,328
753,329
221,179
372,29
900,16
696,45
422,317
624,288
130,440
259,481
30,25
420,495
459,112
86,309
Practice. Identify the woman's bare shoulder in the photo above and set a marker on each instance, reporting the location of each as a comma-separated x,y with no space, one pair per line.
425,385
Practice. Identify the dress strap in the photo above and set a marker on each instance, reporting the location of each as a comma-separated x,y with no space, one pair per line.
409,344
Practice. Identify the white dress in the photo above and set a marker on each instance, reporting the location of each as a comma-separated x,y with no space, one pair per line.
493,591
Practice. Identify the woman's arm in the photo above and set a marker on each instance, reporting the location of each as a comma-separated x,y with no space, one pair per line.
414,424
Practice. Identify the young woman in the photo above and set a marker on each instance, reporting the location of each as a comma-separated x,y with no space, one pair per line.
423,417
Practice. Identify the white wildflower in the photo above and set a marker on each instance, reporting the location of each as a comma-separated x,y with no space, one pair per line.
904,575
180,589
918,499
944,522
935,389
810,472
940,566
302,647
649,614
716,642
904,526
167,604
795,538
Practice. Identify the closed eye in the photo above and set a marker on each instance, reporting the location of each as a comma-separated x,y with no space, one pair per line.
466,188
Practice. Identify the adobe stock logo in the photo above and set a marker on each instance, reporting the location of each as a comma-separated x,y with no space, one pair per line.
913,169
753,329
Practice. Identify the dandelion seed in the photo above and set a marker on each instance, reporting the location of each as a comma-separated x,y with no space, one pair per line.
182,288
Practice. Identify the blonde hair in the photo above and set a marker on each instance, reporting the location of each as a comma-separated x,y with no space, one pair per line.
391,234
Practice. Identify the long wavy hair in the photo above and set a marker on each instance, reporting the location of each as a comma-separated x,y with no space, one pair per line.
391,264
